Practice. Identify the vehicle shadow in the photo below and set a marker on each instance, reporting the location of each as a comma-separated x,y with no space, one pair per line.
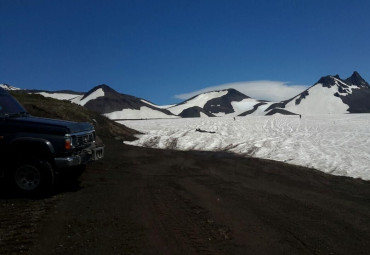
62,186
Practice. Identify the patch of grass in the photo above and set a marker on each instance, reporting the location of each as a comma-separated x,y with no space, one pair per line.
38,105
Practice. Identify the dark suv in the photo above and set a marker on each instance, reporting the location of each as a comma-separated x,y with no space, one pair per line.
35,151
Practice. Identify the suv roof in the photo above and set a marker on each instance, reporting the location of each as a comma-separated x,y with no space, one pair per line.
8,104
3,91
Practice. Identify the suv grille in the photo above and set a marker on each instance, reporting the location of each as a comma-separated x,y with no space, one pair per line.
83,139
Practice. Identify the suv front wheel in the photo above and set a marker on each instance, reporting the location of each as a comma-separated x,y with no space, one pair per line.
34,177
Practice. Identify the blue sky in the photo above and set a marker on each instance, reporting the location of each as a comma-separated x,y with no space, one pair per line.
159,49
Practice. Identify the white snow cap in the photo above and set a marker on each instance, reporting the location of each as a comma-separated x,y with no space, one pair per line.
8,87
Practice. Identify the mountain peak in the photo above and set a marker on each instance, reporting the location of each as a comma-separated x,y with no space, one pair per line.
105,88
236,93
356,79
356,75
328,81
102,86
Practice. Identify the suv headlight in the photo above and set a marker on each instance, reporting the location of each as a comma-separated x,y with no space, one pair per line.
68,142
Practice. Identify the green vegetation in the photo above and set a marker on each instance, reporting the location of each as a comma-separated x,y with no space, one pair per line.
41,106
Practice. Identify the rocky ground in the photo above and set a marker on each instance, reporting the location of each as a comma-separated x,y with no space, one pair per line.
145,201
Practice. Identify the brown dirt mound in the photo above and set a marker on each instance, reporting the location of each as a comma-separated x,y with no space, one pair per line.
40,106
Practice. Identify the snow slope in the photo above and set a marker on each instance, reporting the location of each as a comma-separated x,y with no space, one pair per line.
94,95
331,95
321,100
335,144
247,105
74,98
143,113
59,96
158,106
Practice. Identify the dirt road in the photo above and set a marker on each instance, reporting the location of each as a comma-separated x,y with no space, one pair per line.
144,201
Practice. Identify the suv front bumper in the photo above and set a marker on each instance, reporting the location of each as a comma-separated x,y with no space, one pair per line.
87,155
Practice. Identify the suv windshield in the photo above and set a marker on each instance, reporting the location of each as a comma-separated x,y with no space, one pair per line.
9,106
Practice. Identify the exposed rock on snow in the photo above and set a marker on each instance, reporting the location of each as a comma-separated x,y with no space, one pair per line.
195,111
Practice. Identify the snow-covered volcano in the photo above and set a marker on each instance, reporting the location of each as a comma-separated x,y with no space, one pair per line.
216,103
330,95
105,100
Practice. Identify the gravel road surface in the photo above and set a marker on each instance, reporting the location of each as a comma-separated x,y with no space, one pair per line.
146,201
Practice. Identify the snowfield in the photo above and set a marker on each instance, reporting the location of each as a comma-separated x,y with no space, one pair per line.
335,144
143,113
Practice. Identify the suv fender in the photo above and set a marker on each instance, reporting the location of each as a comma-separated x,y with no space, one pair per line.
28,147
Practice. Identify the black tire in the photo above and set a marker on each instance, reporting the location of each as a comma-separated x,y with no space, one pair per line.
34,178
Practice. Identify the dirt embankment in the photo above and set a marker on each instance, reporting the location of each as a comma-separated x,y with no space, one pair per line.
41,106
145,201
